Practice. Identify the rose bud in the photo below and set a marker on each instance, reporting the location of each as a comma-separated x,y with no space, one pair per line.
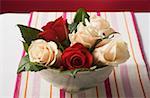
76,56
55,30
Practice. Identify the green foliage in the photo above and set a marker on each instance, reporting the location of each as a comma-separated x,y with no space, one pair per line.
80,16
26,46
29,34
26,65
75,71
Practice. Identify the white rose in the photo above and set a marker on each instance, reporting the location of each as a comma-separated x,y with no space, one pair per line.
112,53
85,35
44,52
100,25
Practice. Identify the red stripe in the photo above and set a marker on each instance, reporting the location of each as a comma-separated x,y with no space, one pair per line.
116,83
97,92
108,89
71,96
18,79
140,44
62,93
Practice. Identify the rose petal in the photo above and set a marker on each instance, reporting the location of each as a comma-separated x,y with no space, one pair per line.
74,53
89,58
48,35
56,30
79,55
48,26
61,32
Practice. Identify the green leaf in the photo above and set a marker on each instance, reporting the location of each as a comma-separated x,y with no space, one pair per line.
64,44
26,65
80,16
73,27
29,34
74,72
60,47
26,46
36,67
23,63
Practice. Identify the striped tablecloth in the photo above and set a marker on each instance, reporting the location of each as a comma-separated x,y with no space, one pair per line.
128,80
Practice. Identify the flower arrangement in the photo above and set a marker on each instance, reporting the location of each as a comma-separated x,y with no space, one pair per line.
87,44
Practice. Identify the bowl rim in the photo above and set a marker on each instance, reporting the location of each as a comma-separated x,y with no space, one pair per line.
83,72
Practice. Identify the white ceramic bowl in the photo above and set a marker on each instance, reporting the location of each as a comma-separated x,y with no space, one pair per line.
83,80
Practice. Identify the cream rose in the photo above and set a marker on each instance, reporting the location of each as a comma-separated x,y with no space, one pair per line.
44,52
112,53
100,25
85,35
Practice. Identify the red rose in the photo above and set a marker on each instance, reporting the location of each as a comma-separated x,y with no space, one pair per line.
76,56
56,30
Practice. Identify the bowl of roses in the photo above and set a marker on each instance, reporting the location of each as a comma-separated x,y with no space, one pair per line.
73,56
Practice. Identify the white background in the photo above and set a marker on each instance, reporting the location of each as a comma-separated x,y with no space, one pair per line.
11,47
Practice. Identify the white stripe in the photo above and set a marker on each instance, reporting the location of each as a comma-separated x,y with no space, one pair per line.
59,14
55,92
30,85
133,76
70,17
116,69
22,84
44,89
138,55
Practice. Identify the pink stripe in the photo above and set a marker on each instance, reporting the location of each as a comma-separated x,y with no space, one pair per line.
140,44
98,13
64,15
62,93
17,87
18,79
107,83
18,82
126,81
30,20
